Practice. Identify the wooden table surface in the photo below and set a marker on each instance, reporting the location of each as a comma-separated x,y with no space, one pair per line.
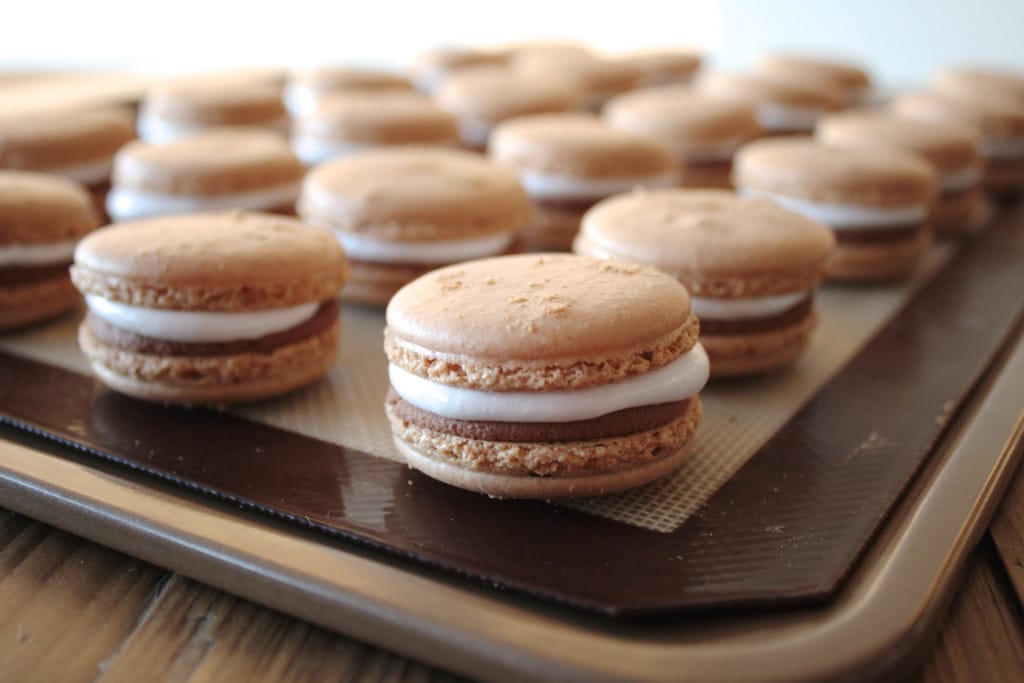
72,610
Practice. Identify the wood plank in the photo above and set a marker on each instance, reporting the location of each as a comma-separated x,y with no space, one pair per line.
983,635
65,603
196,633
1007,531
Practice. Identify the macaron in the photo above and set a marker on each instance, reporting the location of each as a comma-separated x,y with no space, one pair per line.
351,123
568,162
998,116
597,78
42,217
209,308
543,375
848,77
483,97
665,66
171,113
307,87
951,147
704,130
431,67
78,146
783,106
876,200
402,212
750,265
220,169
980,80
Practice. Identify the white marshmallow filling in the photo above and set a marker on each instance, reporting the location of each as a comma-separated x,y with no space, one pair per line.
775,116
365,248
126,203
37,254
849,216
157,130
198,327
679,380
555,186
748,308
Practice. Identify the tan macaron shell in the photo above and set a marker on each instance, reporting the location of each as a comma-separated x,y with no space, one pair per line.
380,118
947,145
491,95
980,81
997,116
803,168
666,65
51,141
324,79
717,244
538,322
233,104
36,208
231,261
209,164
762,88
415,194
578,145
684,118
851,78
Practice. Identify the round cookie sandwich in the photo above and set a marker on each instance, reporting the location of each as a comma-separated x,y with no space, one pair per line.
171,113
568,162
543,375
402,212
665,66
221,169
876,200
997,115
306,88
704,130
42,217
783,106
751,267
352,123
852,80
951,148
209,308
78,146
979,80
482,98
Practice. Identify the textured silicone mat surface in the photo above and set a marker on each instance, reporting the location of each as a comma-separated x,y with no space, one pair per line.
785,529
346,408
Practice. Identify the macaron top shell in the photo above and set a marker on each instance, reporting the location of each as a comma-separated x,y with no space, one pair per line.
491,95
538,321
235,104
802,168
415,194
682,115
761,88
380,117
591,73
716,243
996,115
946,144
52,140
847,75
664,63
328,78
36,208
211,163
980,81
578,145
230,261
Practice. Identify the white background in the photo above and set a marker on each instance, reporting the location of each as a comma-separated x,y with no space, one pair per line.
900,40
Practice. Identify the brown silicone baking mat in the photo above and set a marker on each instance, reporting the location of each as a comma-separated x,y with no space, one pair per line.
783,529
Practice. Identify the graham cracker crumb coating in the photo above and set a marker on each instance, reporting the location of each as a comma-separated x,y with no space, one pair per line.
557,458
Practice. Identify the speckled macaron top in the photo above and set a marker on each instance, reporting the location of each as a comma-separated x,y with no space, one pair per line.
716,243
578,145
415,194
212,163
230,261
382,117
54,141
538,322
803,168
491,95
947,145
693,122
36,208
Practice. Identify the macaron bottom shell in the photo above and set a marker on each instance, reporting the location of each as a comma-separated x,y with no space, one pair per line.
755,353
960,214
1004,177
26,303
614,463
878,262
